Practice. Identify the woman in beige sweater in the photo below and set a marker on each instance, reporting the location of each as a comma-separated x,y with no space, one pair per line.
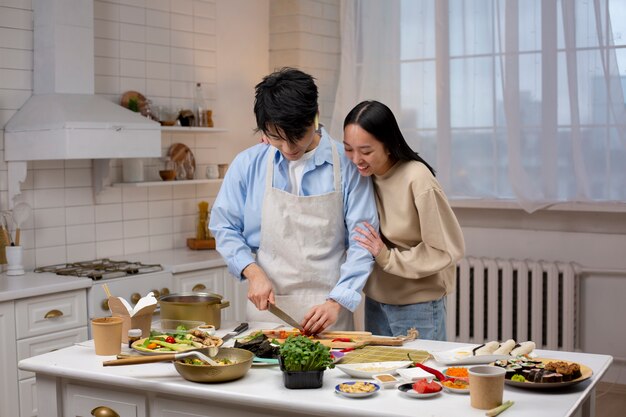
420,239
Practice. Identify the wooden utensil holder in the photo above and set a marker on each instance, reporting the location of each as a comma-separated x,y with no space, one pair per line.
201,244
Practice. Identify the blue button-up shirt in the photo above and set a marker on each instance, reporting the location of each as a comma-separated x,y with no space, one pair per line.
236,214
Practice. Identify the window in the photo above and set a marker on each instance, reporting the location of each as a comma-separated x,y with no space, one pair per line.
508,99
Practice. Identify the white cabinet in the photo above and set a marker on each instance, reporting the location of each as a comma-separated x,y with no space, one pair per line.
82,401
8,361
219,281
30,327
164,407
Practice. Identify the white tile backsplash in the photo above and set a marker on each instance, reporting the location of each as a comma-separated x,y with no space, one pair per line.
80,215
108,248
79,177
49,237
81,252
132,50
181,7
158,209
108,213
133,15
132,32
134,211
158,53
161,226
81,234
49,217
161,242
78,196
157,18
109,231
49,198
132,194
50,255
136,245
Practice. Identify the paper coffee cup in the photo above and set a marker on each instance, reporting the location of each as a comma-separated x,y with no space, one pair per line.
486,384
107,335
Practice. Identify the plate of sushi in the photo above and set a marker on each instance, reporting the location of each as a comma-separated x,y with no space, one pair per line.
542,373
485,353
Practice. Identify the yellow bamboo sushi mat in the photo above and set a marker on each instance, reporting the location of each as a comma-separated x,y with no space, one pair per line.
369,354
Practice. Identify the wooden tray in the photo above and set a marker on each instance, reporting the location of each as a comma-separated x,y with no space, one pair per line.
197,244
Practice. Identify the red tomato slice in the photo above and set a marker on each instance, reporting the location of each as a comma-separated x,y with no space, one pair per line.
425,387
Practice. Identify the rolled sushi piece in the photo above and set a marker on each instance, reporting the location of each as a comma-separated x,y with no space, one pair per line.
523,348
486,349
505,348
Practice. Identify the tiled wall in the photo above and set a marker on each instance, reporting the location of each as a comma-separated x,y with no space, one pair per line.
305,34
159,48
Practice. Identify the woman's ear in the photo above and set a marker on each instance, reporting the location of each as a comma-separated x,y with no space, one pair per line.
316,122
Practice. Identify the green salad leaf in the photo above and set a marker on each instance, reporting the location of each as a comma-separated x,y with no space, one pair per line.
299,353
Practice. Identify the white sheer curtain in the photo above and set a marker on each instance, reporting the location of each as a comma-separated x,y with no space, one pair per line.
508,99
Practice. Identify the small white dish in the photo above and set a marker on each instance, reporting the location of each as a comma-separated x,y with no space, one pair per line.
387,380
338,389
368,370
414,374
407,389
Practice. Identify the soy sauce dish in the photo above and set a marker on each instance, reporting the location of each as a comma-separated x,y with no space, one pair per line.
356,389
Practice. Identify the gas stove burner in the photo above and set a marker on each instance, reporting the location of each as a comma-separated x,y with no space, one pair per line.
100,269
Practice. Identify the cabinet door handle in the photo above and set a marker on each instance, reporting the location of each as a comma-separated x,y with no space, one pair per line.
198,287
53,314
103,411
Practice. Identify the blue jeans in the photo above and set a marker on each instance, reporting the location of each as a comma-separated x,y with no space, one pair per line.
429,318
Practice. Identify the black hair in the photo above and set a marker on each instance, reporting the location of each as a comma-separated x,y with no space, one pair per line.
378,120
286,99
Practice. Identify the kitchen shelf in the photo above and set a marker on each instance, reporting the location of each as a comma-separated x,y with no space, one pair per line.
191,129
163,183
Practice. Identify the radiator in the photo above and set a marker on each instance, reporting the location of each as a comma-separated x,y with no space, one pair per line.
500,299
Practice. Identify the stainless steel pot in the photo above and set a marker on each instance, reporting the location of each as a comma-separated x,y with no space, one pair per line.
206,307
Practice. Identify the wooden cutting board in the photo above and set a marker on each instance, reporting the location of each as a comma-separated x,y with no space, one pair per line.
358,339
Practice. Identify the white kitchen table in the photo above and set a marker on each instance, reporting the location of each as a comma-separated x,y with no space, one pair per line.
157,390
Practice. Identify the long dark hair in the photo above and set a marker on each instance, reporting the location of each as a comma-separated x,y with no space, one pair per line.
378,120
286,99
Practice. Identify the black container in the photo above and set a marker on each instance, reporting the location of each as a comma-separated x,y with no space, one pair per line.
301,379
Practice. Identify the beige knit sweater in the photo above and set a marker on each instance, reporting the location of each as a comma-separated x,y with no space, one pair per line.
423,237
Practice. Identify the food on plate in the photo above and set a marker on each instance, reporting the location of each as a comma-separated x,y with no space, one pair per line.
357,387
457,372
524,369
505,348
523,348
200,362
177,342
426,387
259,344
508,348
486,348
460,384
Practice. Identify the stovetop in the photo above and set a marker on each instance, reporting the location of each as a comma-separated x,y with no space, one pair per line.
100,269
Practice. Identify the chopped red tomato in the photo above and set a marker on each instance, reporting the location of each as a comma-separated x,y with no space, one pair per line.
342,339
170,339
426,387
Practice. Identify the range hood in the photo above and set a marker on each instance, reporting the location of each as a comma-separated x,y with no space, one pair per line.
64,119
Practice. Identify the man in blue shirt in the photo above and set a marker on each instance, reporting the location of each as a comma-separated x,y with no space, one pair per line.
285,214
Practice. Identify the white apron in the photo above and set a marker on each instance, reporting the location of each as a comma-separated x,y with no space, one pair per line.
302,247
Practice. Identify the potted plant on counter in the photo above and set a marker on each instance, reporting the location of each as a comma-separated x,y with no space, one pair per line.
303,362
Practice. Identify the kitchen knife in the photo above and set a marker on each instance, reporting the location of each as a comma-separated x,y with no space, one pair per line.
272,308
242,327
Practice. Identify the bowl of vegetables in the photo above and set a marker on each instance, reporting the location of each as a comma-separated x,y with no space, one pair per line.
233,363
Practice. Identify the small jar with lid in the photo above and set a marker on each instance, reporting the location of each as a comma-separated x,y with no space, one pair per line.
133,336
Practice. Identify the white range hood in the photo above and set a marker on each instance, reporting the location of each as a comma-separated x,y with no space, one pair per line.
78,126
64,119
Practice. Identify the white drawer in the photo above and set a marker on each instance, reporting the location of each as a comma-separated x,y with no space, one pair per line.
28,398
39,345
50,313
80,401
